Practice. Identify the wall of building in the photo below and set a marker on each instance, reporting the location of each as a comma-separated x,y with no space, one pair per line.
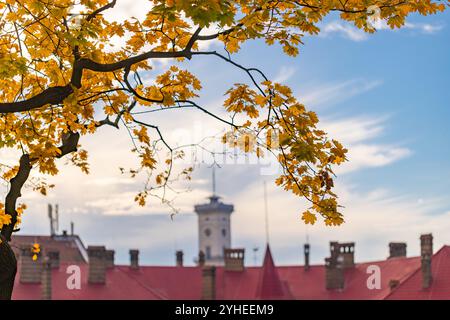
214,235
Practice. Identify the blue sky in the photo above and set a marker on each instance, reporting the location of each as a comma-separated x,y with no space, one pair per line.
384,95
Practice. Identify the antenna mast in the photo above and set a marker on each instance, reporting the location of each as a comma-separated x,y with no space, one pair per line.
266,212
56,227
50,216
307,234
214,180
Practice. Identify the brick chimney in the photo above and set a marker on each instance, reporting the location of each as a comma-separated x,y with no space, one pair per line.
334,274
179,258
234,259
134,259
209,283
46,280
397,249
426,253
30,271
53,257
201,258
109,256
341,258
306,253
345,252
97,264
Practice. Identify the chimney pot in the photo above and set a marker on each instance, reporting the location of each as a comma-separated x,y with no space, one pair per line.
426,253
109,256
234,259
426,244
341,258
306,249
134,259
397,249
97,264
46,287
209,283
179,258
344,252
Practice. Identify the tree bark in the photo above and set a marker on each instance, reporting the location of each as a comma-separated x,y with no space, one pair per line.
8,269
8,261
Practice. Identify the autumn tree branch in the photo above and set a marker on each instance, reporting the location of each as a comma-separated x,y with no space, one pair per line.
93,14
57,94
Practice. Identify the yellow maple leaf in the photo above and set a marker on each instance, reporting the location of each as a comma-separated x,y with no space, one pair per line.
309,217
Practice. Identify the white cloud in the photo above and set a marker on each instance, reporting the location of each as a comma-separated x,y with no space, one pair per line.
429,28
354,129
284,74
426,28
333,93
355,133
344,29
365,156
348,31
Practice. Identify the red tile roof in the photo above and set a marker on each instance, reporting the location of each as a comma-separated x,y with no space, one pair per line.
269,285
119,285
411,288
252,283
265,282
70,247
310,284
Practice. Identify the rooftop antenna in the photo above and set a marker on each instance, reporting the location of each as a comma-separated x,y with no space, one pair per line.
56,227
255,254
266,212
213,166
50,216
214,180
307,233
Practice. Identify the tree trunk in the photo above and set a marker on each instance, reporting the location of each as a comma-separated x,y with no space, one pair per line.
8,269
8,261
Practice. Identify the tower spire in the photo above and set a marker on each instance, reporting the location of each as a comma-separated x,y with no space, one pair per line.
213,180
306,233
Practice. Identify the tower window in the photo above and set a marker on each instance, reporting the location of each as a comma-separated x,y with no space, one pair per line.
208,252
224,232
207,232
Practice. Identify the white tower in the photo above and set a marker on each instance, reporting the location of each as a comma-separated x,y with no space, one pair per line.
214,229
